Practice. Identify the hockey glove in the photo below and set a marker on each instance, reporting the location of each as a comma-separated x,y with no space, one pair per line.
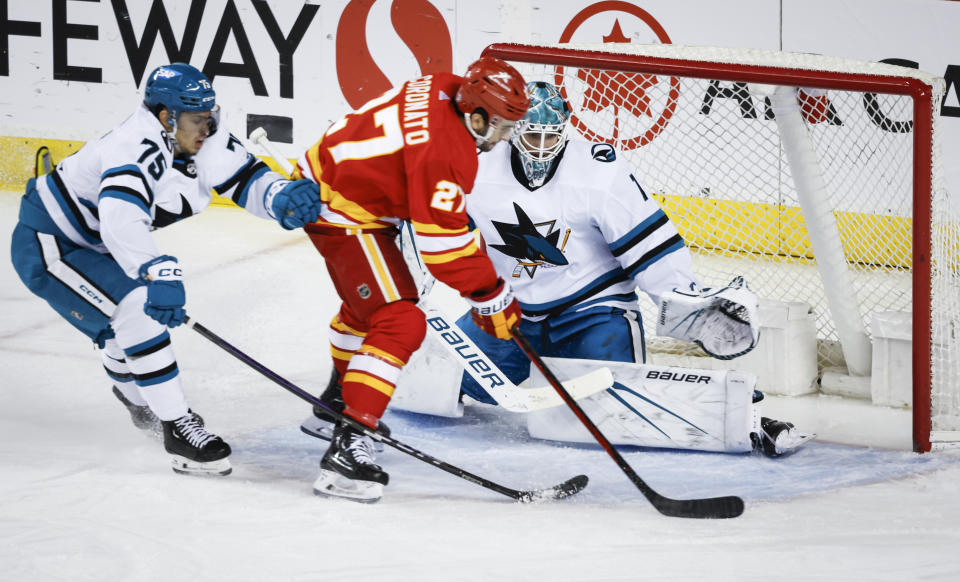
165,293
294,203
496,311
724,322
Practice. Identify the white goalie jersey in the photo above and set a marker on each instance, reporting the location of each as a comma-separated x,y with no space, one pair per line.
590,236
587,237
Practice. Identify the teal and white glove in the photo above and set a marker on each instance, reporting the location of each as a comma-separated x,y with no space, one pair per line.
165,293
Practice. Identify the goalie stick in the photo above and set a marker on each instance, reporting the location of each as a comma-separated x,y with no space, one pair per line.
486,373
507,394
566,489
712,508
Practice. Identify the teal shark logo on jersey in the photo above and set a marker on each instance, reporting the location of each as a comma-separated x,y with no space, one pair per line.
532,244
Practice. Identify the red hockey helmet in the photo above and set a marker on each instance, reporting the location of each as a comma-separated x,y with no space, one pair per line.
494,86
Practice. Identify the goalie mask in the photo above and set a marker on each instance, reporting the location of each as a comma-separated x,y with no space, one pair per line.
181,88
540,135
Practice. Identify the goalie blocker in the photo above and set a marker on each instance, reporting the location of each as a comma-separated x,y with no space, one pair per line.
647,405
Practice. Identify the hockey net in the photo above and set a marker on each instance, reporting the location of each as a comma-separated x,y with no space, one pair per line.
816,178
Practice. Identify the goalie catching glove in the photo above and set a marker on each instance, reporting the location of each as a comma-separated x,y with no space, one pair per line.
724,322
497,311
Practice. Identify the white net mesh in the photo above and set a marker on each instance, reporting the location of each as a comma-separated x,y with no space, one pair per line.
711,152
944,301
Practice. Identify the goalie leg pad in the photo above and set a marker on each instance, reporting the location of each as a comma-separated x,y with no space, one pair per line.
656,406
430,382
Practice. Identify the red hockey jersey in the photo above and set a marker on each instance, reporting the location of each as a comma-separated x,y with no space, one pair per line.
406,156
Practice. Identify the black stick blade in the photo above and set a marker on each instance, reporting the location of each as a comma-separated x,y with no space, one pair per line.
713,508
561,491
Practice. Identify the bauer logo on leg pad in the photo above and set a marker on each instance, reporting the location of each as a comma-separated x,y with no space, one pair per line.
678,377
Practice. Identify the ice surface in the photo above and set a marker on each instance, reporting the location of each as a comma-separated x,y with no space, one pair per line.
85,496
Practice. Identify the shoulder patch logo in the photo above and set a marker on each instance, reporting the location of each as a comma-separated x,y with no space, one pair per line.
186,167
603,152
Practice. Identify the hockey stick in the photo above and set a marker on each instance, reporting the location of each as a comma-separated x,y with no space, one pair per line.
565,489
259,137
712,508
486,373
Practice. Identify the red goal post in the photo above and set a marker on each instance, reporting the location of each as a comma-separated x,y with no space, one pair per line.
736,188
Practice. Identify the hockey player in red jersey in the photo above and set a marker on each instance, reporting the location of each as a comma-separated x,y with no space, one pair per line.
409,155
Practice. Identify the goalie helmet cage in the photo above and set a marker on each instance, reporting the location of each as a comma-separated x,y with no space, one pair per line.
818,178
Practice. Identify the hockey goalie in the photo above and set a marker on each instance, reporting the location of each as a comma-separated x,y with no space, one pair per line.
575,233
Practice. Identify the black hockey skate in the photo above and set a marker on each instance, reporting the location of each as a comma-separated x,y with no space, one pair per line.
195,451
777,438
142,417
321,423
348,470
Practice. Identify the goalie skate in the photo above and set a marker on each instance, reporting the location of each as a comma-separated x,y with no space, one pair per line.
776,438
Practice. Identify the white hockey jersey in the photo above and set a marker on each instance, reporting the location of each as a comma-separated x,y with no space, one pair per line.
109,195
587,237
